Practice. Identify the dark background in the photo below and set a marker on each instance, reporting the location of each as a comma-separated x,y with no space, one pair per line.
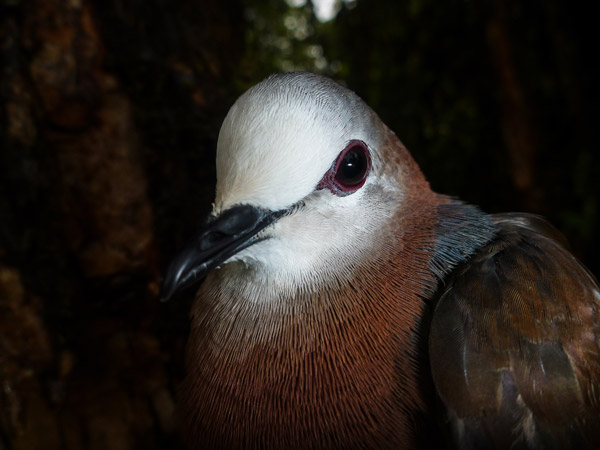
110,111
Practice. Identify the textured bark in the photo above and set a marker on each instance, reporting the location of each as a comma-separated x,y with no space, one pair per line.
88,356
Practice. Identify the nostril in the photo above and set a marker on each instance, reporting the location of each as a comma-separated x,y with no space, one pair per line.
210,238
236,220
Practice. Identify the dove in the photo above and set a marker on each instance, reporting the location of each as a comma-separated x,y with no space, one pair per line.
342,304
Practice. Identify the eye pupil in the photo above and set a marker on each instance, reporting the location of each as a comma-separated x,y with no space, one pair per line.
349,171
352,169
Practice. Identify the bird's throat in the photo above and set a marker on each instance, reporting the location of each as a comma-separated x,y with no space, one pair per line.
343,367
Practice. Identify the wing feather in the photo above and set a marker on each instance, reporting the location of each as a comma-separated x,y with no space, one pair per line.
514,343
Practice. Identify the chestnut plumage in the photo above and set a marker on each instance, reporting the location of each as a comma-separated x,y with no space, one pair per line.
347,306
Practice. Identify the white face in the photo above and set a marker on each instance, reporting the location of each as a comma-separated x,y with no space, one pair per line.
275,145
280,138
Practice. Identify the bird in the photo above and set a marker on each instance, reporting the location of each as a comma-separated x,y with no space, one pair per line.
342,304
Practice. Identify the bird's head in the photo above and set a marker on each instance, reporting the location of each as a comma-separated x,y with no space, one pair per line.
307,178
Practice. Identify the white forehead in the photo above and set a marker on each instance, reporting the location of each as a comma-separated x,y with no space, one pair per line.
282,135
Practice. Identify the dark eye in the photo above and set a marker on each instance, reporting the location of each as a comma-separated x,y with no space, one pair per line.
349,171
352,167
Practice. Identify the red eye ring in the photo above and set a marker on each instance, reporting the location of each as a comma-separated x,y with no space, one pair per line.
349,171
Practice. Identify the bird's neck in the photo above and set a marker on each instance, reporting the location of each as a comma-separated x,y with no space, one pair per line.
341,367
461,229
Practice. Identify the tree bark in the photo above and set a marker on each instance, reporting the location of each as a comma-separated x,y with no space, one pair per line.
89,359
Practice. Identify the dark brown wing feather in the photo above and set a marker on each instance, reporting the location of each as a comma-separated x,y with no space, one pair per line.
514,343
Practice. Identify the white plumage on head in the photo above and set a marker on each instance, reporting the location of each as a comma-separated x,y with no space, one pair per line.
282,135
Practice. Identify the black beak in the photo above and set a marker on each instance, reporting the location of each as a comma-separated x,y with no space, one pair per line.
229,233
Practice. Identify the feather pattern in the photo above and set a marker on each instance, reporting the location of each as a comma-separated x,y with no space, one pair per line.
340,322
514,343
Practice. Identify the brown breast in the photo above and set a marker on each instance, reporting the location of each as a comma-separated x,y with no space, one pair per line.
338,369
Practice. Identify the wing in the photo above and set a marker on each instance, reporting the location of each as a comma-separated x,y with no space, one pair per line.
514,344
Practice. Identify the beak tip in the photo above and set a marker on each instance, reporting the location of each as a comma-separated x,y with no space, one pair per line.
179,278
226,235
171,283
166,292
